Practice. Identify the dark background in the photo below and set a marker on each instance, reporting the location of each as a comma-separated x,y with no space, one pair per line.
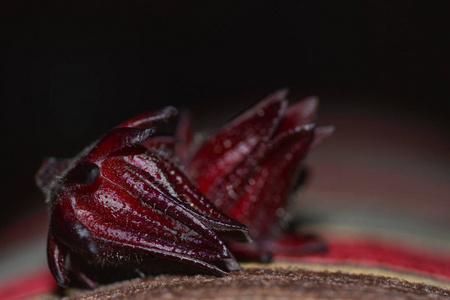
70,70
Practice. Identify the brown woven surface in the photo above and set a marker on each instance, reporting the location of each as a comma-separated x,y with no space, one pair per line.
264,283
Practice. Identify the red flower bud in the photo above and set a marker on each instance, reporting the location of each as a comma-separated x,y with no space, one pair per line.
119,209
249,167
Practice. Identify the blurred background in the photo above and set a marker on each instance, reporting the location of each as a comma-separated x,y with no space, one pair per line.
70,70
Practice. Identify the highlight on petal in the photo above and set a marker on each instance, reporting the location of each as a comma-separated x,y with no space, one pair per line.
149,119
300,113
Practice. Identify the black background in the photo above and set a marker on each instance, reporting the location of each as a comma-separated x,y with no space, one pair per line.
70,70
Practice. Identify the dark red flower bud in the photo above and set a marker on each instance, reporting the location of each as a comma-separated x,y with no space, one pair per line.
249,167
119,209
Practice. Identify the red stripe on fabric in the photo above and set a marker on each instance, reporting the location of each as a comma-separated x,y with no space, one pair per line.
381,254
32,284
